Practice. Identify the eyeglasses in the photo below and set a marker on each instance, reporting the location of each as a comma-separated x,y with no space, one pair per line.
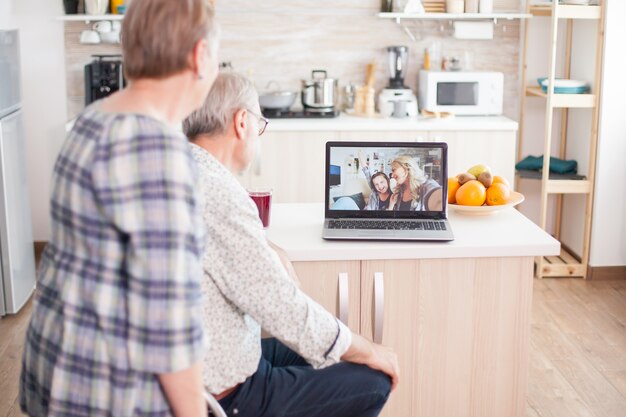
263,122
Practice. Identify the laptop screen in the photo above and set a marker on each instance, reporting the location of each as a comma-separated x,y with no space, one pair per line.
386,180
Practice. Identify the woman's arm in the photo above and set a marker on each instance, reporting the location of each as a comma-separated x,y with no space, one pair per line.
368,177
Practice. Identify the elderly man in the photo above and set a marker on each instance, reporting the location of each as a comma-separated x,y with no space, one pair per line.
326,370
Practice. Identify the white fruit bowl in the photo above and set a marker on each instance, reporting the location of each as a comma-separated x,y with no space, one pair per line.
514,200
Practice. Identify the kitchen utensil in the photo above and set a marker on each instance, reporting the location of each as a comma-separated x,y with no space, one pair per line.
110,37
115,6
96,7
485,6
471,6
349,94
455,6
319,93
89,36
370,75
103,26
564,86
515,199
70,6
277,99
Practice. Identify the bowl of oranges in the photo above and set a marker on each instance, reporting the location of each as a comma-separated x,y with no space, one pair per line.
479,192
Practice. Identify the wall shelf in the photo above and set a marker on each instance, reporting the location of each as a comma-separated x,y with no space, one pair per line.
454,16
568,12
565,100
89,17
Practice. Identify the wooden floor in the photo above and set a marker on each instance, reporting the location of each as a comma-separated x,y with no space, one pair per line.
577,355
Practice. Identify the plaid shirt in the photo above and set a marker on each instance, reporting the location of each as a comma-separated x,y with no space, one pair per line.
118,295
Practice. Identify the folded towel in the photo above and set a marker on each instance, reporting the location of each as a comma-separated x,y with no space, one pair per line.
560,166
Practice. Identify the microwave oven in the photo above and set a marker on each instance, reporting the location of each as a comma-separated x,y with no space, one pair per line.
463,93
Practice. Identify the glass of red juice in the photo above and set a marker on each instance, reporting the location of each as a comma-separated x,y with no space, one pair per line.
263,200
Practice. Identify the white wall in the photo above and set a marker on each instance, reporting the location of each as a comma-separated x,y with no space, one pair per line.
608,239
44,96
6,14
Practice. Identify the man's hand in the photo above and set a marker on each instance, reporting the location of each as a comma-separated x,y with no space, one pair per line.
375,356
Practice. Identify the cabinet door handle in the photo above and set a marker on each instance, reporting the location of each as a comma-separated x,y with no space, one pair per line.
379,306
344,298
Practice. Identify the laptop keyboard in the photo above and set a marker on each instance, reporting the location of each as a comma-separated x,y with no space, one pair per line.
388,225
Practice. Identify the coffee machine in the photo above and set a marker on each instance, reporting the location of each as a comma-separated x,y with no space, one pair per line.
103,76
397,100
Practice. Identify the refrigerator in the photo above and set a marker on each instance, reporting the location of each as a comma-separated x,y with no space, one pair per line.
17,257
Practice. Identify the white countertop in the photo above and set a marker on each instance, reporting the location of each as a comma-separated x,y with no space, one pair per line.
297,228
345,122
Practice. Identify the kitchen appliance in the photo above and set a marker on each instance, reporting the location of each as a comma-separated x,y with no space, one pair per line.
397,96
319,93
299,114
103,76
401,100
17,258
398,59
276,100
463,93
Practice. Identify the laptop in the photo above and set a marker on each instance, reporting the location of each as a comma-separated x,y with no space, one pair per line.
386,191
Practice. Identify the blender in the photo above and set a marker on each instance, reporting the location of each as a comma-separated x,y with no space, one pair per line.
397,99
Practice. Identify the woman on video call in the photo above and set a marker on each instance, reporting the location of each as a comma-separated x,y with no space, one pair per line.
380,186
413,191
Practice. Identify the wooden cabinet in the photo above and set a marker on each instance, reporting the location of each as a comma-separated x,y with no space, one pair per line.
334,285
385,136
459,326
292,163
495,149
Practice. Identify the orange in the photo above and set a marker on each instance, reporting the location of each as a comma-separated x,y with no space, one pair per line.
472,193
453,185
502,180
498,194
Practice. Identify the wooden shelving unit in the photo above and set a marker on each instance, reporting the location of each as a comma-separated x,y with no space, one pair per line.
567,264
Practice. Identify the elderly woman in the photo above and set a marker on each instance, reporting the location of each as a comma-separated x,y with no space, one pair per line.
413,191
246,287
116,327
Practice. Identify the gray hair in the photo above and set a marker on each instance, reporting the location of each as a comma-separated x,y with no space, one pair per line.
230,92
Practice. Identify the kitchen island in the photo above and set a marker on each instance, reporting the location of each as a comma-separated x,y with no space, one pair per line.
457,313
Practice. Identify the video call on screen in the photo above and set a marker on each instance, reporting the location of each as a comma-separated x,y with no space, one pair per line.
382,178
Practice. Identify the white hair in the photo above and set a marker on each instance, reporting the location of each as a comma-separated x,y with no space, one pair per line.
230,92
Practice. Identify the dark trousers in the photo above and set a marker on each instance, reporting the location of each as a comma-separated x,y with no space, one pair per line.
285,385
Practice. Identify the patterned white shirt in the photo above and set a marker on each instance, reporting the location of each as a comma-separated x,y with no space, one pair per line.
246,287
